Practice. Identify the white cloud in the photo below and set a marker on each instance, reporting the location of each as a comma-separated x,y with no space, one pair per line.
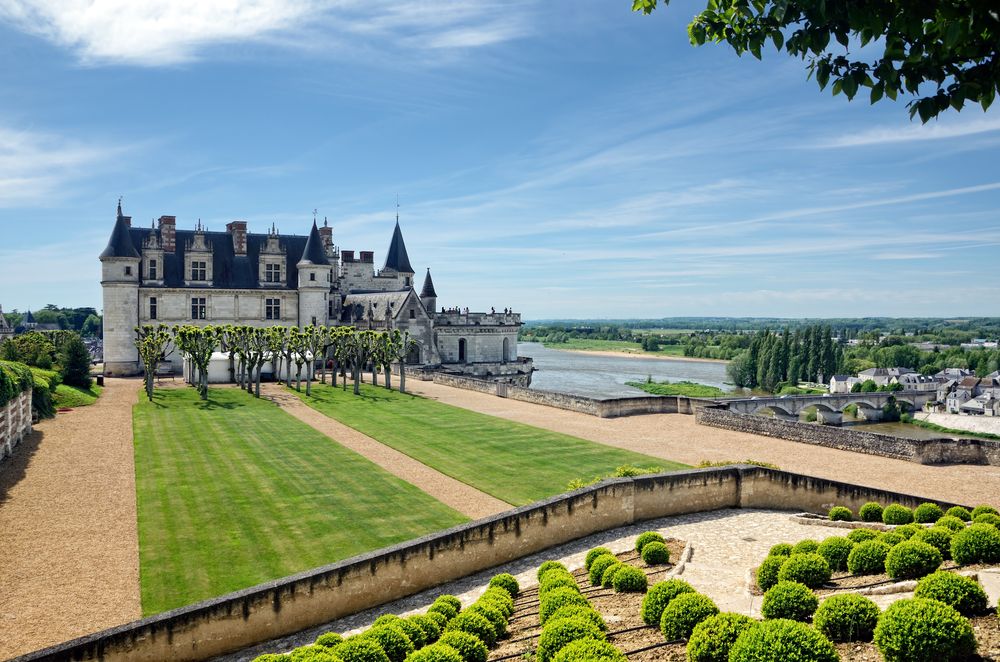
942,129
166,32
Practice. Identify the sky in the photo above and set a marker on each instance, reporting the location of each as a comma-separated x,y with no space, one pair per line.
565,159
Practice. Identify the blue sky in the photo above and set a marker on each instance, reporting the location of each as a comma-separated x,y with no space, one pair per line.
566,159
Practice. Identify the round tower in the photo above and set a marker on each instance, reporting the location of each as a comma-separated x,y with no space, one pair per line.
315,281
120,285
428,296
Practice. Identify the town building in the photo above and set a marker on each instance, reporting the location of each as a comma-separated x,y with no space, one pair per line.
883,376
165,275
843,383
6,330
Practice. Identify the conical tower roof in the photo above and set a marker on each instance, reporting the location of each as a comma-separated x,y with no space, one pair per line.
314,253
120,244
428,289
397,259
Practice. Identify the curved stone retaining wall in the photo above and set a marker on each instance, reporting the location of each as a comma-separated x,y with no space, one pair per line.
15,423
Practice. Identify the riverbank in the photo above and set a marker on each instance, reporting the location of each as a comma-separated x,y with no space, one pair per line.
637,354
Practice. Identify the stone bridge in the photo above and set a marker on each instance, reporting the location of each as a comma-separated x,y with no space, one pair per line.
829,407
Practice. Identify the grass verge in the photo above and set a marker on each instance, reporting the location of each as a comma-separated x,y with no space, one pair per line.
74,396
690,389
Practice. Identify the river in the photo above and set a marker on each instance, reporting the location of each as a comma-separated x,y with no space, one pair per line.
599,376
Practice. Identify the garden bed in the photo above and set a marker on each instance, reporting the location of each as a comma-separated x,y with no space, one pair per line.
986,628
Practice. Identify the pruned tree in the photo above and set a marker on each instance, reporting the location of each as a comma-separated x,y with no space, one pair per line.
198,343
152,343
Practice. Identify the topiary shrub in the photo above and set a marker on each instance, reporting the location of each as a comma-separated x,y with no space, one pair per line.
861,535
507,582
413,631
493,615
987,518
598,566
767,572
556,599
629,579
936,536
556,636
436,653
499,598
711,640
393,641
655,553
659,596
360,649
962,593
907,531
912,559
979,543
589,650
608,578
593,554
274,657
430,627
959,512
809,569
890,538
549,565
897,514
647,537
950,522
806,546
922,630
841,514
328,639
449,600
870,512
442,608
311,653
438,617
982,509
474,624
470,647
579,611
555,579
835,550
926,513
789,600
782,640
846,617
781,549
868,558
683,613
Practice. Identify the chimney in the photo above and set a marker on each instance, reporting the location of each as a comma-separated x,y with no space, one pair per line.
326,232
168,233
128,220
239,231
347,256
367,256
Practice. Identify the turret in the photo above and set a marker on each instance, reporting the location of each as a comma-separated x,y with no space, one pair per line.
396,260
120,285
315,280
427,294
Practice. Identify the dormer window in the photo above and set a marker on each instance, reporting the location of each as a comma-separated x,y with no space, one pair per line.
152,270
199,270
272,273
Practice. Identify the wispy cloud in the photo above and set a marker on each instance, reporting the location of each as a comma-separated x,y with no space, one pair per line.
170,32
942,129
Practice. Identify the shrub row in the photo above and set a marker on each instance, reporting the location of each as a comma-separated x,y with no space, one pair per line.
571,628
925,513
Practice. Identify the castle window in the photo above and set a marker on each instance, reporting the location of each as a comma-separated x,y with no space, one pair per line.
312,276
152,270
329,308
272,309
413,314
198,308
128,271
199,269
407,279
314,321
272,273
152,308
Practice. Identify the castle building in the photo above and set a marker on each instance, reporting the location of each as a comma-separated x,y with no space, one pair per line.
162,275
6,330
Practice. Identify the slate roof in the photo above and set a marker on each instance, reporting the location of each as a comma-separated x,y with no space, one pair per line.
120,244
395,300
314,252
396,258
428,289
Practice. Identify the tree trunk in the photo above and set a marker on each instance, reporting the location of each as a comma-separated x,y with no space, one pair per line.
374,374
388,376
310,369
298,377
260,366
149,385
333,374
357,380
288,373
402,377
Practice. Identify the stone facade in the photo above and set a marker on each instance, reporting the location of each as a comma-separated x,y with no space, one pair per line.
162,275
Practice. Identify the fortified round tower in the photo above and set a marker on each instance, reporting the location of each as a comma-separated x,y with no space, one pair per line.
120,284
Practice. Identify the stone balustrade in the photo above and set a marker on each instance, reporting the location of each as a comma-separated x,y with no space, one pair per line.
15,423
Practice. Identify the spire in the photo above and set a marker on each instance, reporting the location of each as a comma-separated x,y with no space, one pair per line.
427,291
397,259
314,252
120,244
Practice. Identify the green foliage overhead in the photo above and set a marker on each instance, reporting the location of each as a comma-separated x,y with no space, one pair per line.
941,52
15,379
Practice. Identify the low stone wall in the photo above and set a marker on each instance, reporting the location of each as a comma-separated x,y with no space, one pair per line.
15,423
931,451
238,620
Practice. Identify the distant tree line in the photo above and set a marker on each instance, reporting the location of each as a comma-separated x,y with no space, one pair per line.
777,358
84,321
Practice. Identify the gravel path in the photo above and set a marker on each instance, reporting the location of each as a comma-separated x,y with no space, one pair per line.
458,495
69,563
677,437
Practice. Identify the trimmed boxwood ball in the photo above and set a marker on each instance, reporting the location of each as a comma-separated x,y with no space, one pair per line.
474,624
861,535
926,513
980,543
868,558
556,599
897,514
430,627
951,522
806,546
413,631
469,646
598,566
835,550
629,579
890,538
987,518
782,640
711,639
908,530
554,580
311,653
385,619
809,569
655,553
870,512
450,600
499,598
436,653
328,639
959,512
549,565
579,611
767,572
846,617
608,578
962,593
781,549
685,612
393,641
493,615
556,636
273,657
507,582
841,514
438,617
789,600
360,649
659,596
647,537
589,650
442,608
593,554
912,559
983,508
937,536
922,630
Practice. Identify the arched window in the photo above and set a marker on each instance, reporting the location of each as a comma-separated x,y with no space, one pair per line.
506,350
461,350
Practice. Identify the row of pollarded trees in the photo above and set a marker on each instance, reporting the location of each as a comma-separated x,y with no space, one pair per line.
285,348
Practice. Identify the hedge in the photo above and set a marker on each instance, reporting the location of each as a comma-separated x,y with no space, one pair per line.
15,379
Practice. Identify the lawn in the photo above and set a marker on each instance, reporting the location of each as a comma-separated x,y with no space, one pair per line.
514,462
74,396
234,492
690,389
